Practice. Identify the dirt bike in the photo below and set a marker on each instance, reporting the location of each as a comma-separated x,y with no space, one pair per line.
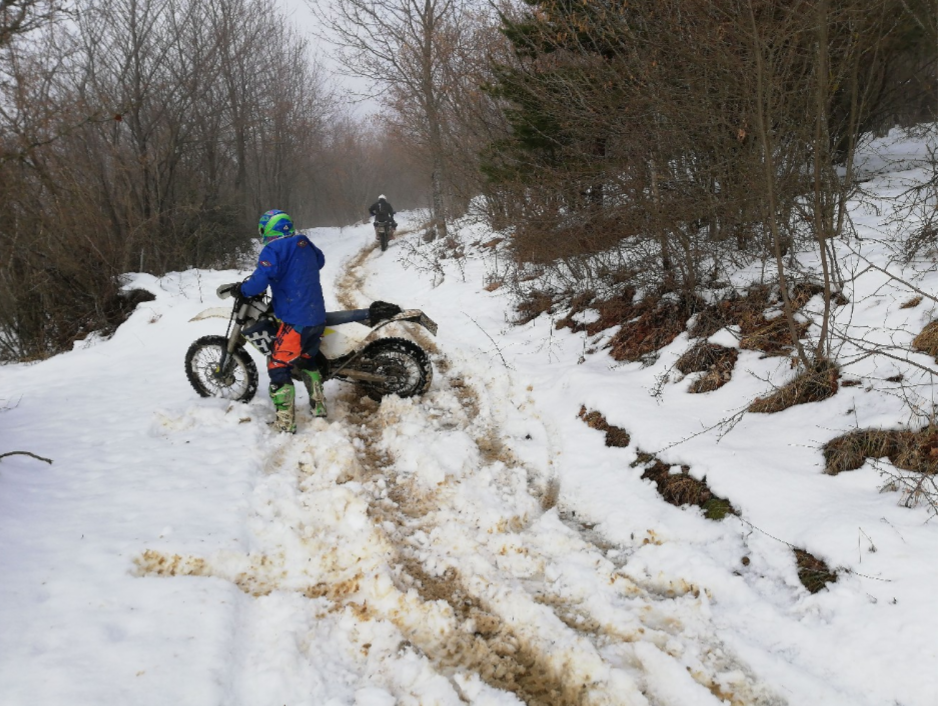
220,366
384,231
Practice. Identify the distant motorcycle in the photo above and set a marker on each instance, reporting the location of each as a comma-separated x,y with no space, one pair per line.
384,231
220,366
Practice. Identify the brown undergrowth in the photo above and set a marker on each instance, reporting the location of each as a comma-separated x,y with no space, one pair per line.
646,325
809,386
532,306
612,312
716,362
657,323
771,336
910,450
615,436
683,489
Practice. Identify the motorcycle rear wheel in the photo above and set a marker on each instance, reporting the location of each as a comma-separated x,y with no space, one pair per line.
405,365
239,380
383,237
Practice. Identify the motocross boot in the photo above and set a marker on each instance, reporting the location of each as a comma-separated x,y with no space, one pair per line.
283,397
312,379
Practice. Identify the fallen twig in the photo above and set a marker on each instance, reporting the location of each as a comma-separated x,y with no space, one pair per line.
25,453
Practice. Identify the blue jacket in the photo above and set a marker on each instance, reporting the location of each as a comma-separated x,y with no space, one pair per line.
290,267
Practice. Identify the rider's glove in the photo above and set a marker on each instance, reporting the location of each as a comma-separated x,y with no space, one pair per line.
380,311
233,289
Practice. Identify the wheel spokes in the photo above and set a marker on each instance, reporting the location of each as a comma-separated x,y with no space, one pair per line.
232,383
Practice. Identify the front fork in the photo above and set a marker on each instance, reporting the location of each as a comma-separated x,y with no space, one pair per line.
234,336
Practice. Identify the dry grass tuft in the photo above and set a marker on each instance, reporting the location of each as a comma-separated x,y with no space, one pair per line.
810,386
656,324
927,340
532,306
770,336
730,311
911,303
683,489
813,573
615,436
802,293
612,312
910,450
716,361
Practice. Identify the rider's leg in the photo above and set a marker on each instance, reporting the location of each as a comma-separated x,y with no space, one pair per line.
284,398
306,365
312,379
286,349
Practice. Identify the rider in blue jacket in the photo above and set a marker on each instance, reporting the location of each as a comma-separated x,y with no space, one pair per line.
289,264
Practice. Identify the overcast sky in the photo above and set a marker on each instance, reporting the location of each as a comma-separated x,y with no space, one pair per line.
299,13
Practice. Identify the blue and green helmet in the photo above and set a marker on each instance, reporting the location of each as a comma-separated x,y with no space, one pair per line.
275,224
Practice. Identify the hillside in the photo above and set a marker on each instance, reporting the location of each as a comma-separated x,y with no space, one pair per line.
508,537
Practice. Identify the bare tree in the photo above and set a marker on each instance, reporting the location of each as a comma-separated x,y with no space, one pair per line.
145,134
407,48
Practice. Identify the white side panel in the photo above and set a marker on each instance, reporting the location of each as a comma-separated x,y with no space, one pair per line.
342,339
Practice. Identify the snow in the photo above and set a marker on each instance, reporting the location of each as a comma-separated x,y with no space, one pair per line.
479,544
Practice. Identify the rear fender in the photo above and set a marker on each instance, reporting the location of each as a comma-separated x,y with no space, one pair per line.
414,316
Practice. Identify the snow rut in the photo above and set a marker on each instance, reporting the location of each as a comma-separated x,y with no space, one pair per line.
419,514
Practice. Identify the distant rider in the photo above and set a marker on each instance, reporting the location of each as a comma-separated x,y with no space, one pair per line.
289,264
383,212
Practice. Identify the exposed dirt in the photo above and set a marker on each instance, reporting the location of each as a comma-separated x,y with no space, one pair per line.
506,621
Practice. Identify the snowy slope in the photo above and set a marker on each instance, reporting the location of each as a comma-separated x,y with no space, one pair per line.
478,545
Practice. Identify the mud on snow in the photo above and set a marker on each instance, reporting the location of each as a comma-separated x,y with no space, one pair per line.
429,539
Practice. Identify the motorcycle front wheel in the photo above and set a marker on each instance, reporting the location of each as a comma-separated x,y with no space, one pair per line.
403,364
383,237
237,382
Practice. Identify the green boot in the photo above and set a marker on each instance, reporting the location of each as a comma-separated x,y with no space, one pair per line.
312,379
283,397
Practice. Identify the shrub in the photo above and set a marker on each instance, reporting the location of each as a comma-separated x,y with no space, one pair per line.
533,305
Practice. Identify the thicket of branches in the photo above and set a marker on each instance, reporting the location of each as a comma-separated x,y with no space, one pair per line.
149,135
652,143
674,137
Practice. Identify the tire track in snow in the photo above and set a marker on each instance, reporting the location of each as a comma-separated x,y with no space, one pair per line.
375,520
659,617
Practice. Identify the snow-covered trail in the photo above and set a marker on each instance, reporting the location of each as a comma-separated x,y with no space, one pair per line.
478,545
422,535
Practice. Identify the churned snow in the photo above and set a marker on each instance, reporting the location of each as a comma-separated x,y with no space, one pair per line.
479,544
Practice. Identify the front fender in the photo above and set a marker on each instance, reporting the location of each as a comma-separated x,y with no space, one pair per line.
218,312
